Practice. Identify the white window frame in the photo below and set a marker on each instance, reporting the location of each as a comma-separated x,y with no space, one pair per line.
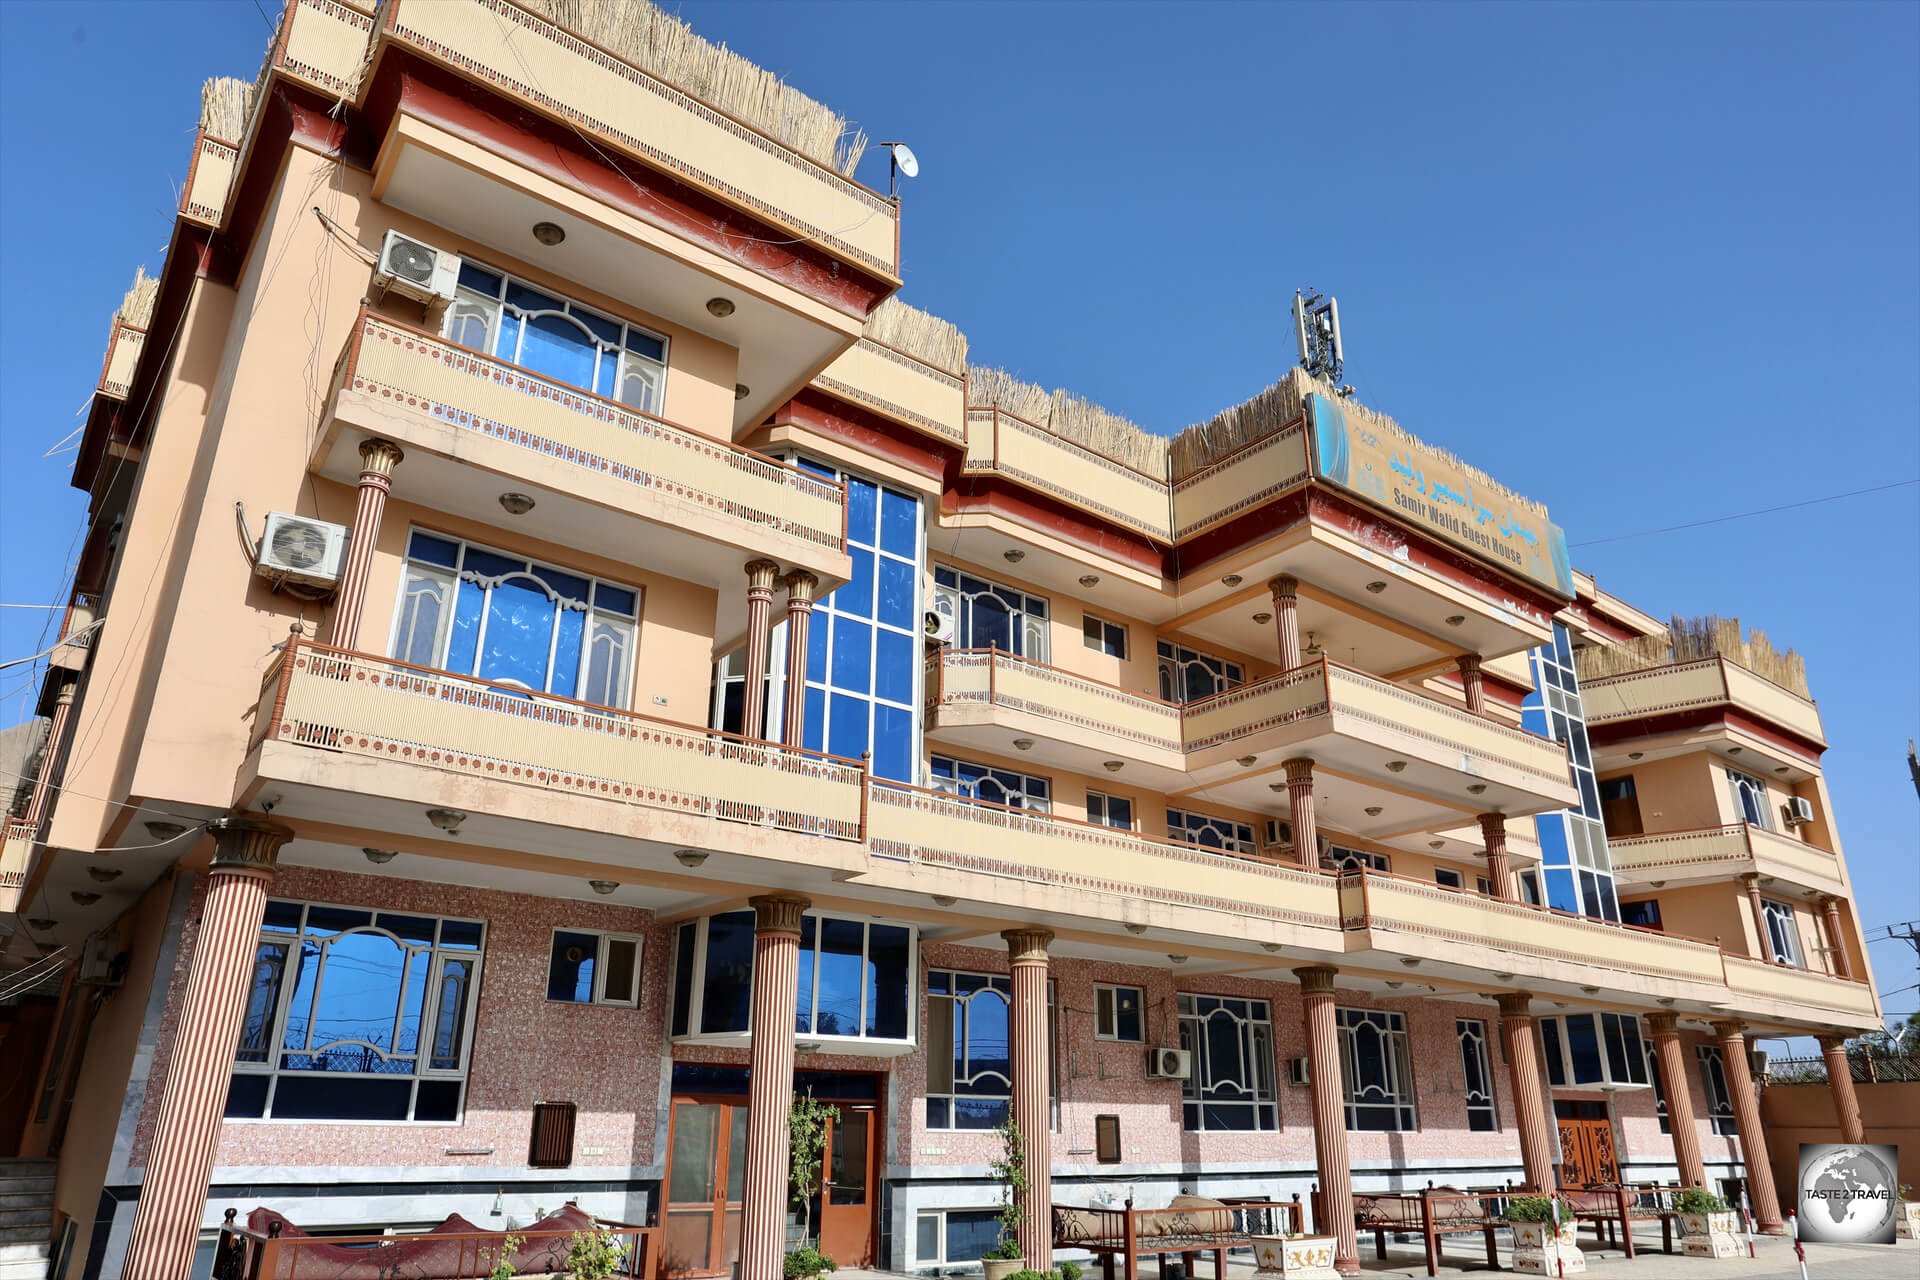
451,579
1783,927
940,1213
1112,991
604,944
1237,835
1718,1093
429,1013
697,987
1458,883
1258,1088
1104,805
1098,633
1759,812
471,303
1396,1051
1000,984
1339,855
1172,659
1030,623
1028,802
1472,1036
1563,1039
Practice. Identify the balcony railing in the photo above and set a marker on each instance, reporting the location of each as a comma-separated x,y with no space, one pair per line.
1747,976
1703,684
363,705
1729,850
462,388
999,442
16,857
1351,701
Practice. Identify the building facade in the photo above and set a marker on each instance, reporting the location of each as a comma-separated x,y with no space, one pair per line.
656,672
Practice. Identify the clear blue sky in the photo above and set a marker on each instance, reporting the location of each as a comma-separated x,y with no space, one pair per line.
1647,263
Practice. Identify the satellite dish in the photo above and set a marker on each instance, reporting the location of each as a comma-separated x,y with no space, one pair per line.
904,157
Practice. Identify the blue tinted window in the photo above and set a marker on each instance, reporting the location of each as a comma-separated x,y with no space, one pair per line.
970,1233
647,345
479,279
817,647
614,600
570,971
856,597
852,655
815,728
893,666
899,524
862,510
425,547
849,736
729,974
892,743
899,591
803,991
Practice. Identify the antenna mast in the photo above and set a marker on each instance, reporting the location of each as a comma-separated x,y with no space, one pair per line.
1316,330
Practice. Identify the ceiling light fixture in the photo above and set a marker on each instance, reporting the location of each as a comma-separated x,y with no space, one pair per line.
1113,766
741,391
1436,844
1412,962
719,308
380,857
1232,580
1457,619
1504,977
1246,762
1263,618
516,504
164,831
1276,787
1396,766
84,897
1023,744
1374,811
603,887
448,820
944,899
1273,947
1375,588
41,923
1476,788
1136,928
1089,579
689,858
806,1046
1734,751
104,875
1779,768
1176,959
1592,991
549,233
1014,556
1635,755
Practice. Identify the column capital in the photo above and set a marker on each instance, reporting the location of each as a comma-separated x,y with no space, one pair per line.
761,575
1493,826
800,588
778,912
1027,946
1299,769
1467,662
1514,1004
1663,1024
1751,879
1284,586
1834,1043
246,844
1731,1030
379,457
1316,979
68,687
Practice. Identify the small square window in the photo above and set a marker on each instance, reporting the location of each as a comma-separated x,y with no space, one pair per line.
594,968
1448,878
1109,638
1106,1139
1118,1013
1109,811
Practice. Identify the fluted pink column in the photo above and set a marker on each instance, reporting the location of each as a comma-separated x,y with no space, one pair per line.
378,458
800,589
1746,1117
1493,829
1032,1088
46,781
1329,1113
760,576
1471,684
166,1222
1842,963
1840,1083
1286,618
776,980
1517,1034
1752,882
1306,832
1672,1063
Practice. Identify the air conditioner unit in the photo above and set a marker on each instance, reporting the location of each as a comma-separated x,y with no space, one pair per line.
1758,1061
417,270
1169,1064
1297,1071
939,627
1279,834
100,963
301,549
1799,809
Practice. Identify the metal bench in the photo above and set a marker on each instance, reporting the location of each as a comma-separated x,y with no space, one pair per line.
1189,1227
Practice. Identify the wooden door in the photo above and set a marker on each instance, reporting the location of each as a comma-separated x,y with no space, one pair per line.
848,1205
1588,1157
706,1176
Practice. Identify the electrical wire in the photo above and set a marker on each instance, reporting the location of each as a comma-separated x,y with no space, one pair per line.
1746,515
70,638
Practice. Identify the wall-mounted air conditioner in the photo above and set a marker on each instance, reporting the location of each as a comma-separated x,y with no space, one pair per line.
100,963
417,270
1169,1064
1799,810
1279,834
301,549
1298,1072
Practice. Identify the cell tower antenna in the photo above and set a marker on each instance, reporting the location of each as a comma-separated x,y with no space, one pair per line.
1316,331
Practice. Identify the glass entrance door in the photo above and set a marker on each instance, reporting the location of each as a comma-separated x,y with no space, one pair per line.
846,1200
706,1175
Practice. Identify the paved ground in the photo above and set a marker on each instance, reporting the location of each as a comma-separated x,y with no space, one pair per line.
1464,1256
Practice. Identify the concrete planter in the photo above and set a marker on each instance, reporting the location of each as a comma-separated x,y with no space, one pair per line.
1001,1268
1541,1250
1295,1257
1709,1235
1906,1223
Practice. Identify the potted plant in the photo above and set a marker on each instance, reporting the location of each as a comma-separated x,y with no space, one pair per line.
1907,1221
595,1254
1707,1224
1543,1239
1010,1168
807,1263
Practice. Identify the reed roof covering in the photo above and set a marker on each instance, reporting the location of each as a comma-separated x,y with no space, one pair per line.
136,308
1071,417
224,101
1690,640
919,333
662,45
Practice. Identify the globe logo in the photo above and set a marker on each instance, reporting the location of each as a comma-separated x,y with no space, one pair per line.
1847,1193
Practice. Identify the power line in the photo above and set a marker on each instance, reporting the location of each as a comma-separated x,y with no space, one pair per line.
1745,515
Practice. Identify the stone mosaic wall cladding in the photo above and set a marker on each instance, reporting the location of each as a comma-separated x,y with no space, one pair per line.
525,1047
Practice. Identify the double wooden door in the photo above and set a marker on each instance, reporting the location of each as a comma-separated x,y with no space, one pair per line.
706,1179
1588,1156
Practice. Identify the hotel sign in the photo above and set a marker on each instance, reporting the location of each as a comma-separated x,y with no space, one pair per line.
1431,491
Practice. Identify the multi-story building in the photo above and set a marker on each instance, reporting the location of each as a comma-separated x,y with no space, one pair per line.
562,659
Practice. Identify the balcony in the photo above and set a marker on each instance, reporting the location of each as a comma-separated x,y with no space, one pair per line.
322,700
16,858
1384,747
1748,979
999,443
1709,692
1715,854
472,425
